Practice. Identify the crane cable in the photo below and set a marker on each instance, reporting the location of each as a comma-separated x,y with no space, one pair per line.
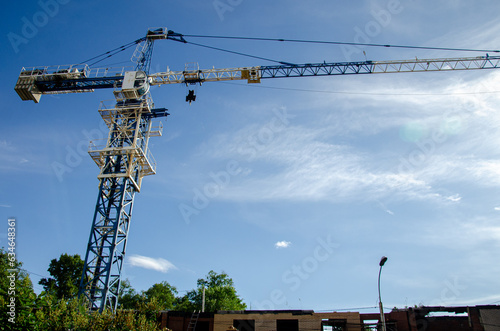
344,43
112,52
126,46
237,53
119,49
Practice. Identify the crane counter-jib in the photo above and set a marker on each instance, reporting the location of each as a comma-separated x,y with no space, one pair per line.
35,81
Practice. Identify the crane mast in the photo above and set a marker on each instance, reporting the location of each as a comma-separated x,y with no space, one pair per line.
124,158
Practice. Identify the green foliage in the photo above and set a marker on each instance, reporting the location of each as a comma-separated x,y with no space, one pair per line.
17,298
128,320
52,310
128,297
66,273
149,308
220,294
61,315
72,315
185,304
163,293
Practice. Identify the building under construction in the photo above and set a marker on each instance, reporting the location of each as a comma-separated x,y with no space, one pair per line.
474,318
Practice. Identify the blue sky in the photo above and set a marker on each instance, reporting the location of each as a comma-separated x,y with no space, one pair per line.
300,185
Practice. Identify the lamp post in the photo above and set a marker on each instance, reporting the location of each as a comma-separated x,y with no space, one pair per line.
382,318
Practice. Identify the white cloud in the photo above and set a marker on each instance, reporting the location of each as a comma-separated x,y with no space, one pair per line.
5,206
145,262
282,244
454,198
486,170
307,166
322,155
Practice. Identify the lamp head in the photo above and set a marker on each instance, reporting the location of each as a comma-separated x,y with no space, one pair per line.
383,260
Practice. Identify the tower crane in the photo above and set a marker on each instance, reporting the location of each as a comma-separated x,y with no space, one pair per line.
125,158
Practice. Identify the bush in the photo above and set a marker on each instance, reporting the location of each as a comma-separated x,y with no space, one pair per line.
72,315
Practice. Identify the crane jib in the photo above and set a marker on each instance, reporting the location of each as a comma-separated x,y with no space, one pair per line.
372,67
316,69
37,81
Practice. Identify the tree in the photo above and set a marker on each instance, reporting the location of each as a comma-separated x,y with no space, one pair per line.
220,294
17,298
185,304
66,273
128,298
161,295
164,294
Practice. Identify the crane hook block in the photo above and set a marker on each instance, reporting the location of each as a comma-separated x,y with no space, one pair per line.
191,96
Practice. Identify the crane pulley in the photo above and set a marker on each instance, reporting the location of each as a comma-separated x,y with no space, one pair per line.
124,158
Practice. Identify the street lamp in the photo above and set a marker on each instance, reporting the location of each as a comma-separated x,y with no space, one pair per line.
382,318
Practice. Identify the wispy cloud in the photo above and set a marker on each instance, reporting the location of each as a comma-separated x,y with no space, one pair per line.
323,156
302,164
384,207
470,233
282,244
145,262
454,198
5,206
20,157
